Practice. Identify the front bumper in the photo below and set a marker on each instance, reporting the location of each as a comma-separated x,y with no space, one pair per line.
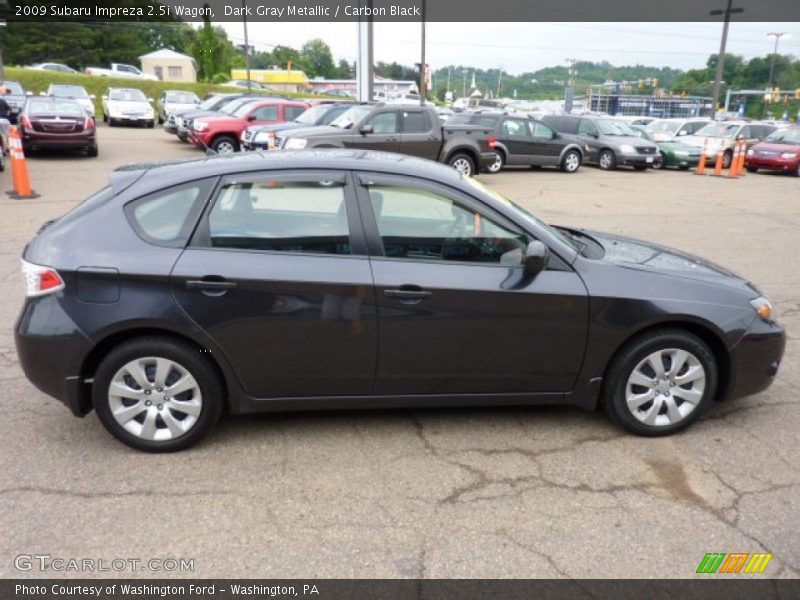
170,127
756,358
132,119
51,350
638,160
772,164
683,161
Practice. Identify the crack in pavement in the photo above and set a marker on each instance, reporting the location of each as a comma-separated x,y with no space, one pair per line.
91,495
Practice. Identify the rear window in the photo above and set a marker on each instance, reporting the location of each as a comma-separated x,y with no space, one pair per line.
167,217
65,108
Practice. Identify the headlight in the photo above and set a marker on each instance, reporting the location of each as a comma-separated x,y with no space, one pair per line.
764,308
295,144
750,152
264,137
626,148
789,155
200,126
681,153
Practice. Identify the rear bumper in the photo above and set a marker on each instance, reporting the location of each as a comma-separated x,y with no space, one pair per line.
486,159
61,143
755,360
51,350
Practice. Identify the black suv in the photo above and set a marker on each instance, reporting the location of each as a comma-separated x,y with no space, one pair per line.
526,142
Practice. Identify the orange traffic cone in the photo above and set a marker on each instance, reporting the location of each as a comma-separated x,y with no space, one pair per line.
742,154
718,165
701,165
733,170
19,168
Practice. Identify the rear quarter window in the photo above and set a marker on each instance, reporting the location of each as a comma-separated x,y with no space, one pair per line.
168,217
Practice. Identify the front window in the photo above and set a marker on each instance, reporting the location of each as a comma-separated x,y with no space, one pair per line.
422,225
384,123
352,116
785,136
243,110
281,216
68,91
128,95
13,88
717,130
232,106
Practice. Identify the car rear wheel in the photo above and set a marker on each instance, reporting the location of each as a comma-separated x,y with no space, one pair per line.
571,162
157,394
498,164
751,169
660,383
92,151
224,144
607,160
462,163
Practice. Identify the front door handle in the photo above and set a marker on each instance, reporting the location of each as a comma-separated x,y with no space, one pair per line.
408,294
211,286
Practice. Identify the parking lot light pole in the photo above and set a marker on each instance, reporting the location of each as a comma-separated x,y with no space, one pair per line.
778,36
721,58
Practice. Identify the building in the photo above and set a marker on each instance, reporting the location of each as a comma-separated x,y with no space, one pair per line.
379,84
169,65
281,80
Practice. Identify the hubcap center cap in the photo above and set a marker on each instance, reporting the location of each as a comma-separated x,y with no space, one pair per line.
662,387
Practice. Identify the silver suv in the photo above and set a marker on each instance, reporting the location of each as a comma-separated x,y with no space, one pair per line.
611,142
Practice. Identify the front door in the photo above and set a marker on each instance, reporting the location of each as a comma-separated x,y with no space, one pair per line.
277,275
546,145
385,134
457,312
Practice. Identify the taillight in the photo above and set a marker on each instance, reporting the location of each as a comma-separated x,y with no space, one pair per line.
40,280
89,124
26,122
492,141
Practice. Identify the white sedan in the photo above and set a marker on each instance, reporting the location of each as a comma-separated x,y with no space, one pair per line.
128,105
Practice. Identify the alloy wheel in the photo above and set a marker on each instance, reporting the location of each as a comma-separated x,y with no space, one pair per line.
155,398
225,148
497,165
665,387
571,162
463,166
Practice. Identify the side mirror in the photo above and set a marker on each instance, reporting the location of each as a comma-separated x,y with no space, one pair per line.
92,96
554,135
365,129
149,99
683,132
251,118
536,257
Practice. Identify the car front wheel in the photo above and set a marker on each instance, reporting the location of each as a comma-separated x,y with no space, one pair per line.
224,144
607,160
660,383
662,164
157,394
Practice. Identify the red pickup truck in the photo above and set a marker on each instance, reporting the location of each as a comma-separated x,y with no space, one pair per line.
221,132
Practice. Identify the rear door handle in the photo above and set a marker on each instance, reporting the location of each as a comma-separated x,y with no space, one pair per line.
211,287
408,294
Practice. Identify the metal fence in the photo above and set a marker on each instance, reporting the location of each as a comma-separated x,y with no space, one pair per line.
660,106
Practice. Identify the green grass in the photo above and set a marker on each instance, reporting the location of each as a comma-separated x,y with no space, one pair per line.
38,81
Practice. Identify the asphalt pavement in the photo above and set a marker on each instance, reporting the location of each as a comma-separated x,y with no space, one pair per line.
519,492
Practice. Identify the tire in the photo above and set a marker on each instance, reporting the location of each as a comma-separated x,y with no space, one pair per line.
499,164
92,151
112,122
462,163
797,171
684,167
727,159
607,160
571,162
227,144
151,124
656,397
661,165
640,167
160,426
751,169
2,160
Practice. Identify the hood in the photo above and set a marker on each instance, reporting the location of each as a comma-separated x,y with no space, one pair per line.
177,107
15,98
216,118
773,148
129,105
662,136
713,143
676,146
631,140
320,131
639,254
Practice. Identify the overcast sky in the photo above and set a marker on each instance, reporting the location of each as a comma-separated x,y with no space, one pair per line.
519,47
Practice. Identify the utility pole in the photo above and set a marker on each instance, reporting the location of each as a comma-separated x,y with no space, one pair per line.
778,37
246,47
721,58
569,91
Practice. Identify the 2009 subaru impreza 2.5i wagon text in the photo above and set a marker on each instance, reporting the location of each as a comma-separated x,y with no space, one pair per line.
353,279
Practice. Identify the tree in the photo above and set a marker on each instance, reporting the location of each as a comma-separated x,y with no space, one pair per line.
214,52
317,59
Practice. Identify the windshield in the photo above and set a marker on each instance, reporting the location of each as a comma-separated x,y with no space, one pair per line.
68,91
523,213
182,98
13,87
717,130
785,136
663,126
128,95
65,108
231,106
312,115
244,109
608,127
351,116
213,102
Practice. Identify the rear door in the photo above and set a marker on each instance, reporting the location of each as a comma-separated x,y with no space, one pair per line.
547,147
420,136
277,275
515,135
457,312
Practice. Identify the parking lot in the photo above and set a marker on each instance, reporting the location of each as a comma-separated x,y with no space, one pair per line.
520,492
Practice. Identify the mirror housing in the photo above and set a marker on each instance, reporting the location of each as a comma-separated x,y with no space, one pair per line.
536,258
365,129
683,132
554,135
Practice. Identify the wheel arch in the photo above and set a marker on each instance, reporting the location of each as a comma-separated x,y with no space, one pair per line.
462,150
703,330
574,146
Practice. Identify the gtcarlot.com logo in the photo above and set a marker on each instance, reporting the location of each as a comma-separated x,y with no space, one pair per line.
735,562
46,562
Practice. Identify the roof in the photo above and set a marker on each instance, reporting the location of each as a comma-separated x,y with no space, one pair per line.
166,53
274,76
